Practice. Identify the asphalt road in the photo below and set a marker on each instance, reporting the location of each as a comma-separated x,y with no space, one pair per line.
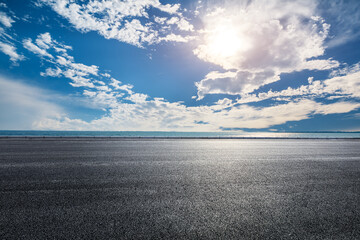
179,189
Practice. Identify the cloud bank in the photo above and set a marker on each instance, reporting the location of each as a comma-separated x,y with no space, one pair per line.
129,110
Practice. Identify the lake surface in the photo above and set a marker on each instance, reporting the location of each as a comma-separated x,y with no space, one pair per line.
87,188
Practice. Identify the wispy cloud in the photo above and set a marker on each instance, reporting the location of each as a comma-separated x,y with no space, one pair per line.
6,20
345,24
29,45
22,105
10,50
6,45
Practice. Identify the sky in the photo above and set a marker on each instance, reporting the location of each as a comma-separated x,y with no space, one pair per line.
150,65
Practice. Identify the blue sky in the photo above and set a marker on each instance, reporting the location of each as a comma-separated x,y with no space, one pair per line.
152,65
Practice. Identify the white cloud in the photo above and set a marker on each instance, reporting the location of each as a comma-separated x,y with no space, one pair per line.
181,23
102,88
7,43
160,20
173,20
61,123
103,99
126,87
44,40
338,107
234,83
10,50
119,19
137,98
292,111
185,25
343,83
51,72
259,41
78,73
77,79
64,64
175,38
318,65
346,84
345,70
169,8
81,75
106,75
29,45
158,114
6,20
115,83
82,68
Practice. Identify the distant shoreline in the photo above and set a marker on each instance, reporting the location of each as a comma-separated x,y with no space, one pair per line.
176,135
163,138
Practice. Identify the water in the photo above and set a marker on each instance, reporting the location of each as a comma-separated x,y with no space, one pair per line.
225,134
91,188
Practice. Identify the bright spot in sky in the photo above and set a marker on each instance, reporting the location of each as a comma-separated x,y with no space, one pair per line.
226,41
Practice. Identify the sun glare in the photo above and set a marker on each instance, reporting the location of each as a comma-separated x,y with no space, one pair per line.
225,41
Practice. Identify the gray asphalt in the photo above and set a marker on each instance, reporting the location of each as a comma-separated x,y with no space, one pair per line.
179,189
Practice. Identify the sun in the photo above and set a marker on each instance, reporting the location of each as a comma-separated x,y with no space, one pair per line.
226,41
223,42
